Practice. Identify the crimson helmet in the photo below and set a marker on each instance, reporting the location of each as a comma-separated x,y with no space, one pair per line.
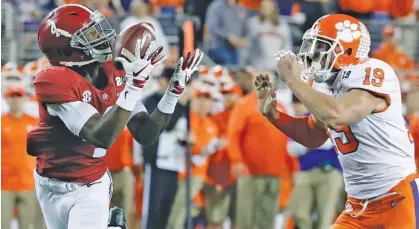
74,35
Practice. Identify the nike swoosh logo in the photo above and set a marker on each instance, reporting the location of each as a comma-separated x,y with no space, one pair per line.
137,73
125,95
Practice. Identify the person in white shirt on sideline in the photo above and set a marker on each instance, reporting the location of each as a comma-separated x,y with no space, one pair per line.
266,32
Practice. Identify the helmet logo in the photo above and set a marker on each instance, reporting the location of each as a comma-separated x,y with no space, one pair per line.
57,31
347,31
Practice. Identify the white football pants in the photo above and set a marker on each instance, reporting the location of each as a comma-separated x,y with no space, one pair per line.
70,205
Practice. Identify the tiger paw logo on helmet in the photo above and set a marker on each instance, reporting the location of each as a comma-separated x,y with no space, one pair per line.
347,31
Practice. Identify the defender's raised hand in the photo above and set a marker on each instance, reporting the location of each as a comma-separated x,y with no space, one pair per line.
266,96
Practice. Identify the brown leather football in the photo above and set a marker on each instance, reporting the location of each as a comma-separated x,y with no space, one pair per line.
126,41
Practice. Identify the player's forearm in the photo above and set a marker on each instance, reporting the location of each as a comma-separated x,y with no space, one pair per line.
103,131
146,129
325,108
301,129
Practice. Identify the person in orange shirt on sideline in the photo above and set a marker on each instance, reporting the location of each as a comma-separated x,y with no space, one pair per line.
17,167
392,54
119,161
220,184
204,142
257,152
170,6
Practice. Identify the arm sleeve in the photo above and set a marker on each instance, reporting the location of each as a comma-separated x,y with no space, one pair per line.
235,129
52,86
302,130
73,114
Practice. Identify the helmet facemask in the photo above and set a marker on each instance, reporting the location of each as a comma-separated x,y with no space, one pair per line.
95,39
319,55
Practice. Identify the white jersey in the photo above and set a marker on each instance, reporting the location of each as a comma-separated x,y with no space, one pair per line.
376,153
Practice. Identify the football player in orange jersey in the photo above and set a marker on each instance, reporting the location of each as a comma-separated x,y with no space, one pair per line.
362,114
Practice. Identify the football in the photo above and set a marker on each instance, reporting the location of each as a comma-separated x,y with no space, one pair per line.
126,41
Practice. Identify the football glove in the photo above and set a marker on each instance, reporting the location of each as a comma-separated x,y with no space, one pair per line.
184,70
138,71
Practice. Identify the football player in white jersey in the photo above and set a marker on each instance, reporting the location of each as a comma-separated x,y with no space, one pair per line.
362,115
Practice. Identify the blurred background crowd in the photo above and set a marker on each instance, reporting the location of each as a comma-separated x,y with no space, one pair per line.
244,173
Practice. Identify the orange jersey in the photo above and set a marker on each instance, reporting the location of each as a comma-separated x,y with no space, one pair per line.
365,6
219,163
394,57
382,6
120,153
166,3
251,4
16,165
204,130
253,140
401,8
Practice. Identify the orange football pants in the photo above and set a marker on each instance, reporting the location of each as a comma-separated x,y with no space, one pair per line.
398,209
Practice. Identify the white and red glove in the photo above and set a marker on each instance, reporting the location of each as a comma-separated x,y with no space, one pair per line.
137,72
184,70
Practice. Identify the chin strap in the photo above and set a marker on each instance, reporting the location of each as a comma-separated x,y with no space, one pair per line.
97,55
71,64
